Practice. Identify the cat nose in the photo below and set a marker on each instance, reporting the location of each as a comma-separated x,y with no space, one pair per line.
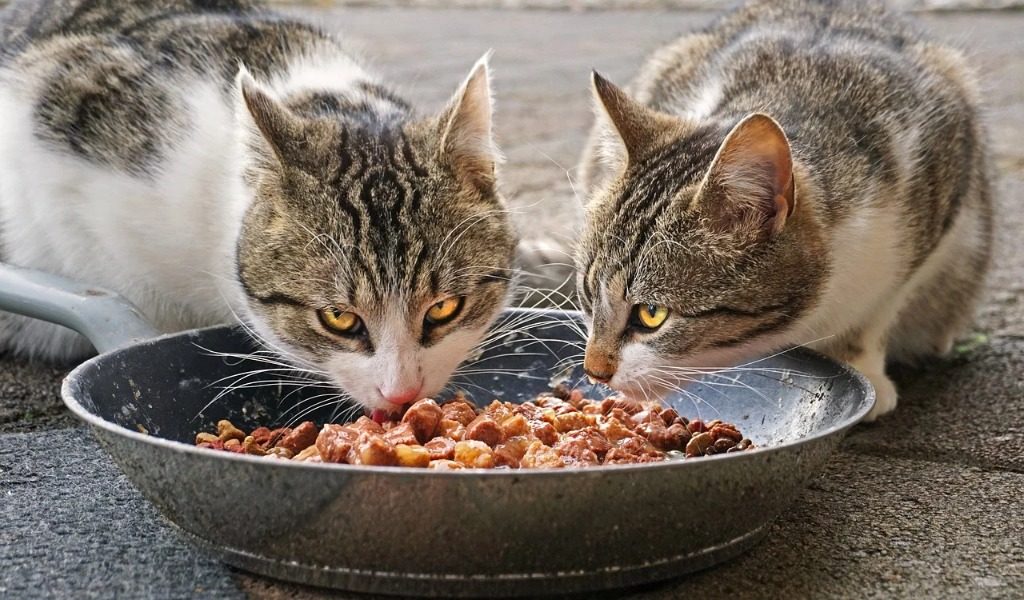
598,367
403,397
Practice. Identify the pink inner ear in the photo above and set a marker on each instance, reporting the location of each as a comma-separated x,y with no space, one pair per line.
782,212
755,169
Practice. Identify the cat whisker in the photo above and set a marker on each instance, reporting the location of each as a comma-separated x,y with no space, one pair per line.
460,382
729,382
333,399
303,404
568,175
694,399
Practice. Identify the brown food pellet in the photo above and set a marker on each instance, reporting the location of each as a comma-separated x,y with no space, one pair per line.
558,429
539,456
367,425
699,444
665,438
516,446
227,431
725,430
680,432
412,456
279,452
544,431
451,429
300,438
277,434
723,444
335,442
440,448
216,444
484,429
249,446
614,429
401,434
205,438
669,416
424,416
572,420
503,457
458,411
474,454
261,435
514,425
374,451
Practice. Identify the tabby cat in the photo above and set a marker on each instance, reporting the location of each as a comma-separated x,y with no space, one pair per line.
213,159
799,172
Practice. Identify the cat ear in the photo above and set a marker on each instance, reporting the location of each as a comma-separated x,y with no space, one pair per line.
277,125
750,183
467,139
639,128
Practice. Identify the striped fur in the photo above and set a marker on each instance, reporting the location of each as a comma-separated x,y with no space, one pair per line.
201,190
862,227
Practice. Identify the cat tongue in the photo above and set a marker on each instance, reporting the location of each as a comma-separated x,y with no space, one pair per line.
379,415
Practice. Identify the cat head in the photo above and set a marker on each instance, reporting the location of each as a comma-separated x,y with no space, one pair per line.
376,249
698,251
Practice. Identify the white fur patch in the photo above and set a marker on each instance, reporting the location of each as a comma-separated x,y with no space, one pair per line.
705,101
166,243
320,71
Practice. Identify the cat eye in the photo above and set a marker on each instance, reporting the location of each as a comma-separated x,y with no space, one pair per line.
444,311
649,316
340,321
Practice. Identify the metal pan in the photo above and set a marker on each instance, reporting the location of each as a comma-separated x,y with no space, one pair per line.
418,532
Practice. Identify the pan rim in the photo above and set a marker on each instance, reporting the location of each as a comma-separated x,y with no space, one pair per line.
399,472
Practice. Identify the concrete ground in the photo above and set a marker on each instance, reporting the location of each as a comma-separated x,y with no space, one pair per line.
928,503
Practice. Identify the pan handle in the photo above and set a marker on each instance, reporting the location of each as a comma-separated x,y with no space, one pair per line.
106,319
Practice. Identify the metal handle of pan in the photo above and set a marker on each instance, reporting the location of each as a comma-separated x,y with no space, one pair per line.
106,319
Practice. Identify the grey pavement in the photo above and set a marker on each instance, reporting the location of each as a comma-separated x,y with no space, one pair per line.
927,503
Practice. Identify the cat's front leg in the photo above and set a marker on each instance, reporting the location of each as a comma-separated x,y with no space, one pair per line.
885,391
867,355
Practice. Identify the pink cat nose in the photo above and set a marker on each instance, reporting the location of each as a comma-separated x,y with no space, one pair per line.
404,397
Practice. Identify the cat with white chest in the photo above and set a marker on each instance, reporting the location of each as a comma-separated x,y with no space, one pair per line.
213,160
801,172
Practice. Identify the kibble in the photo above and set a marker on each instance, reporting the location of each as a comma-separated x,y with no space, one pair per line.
226,431
699,444
556,430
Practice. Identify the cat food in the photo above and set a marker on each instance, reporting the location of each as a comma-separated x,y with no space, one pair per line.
558,429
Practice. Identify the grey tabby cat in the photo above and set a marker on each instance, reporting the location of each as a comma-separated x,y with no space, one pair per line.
208,159
801,171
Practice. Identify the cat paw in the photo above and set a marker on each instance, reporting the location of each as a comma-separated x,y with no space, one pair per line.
885,396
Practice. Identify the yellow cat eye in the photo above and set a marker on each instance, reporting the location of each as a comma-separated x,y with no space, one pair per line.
649,316
444,311
340,321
